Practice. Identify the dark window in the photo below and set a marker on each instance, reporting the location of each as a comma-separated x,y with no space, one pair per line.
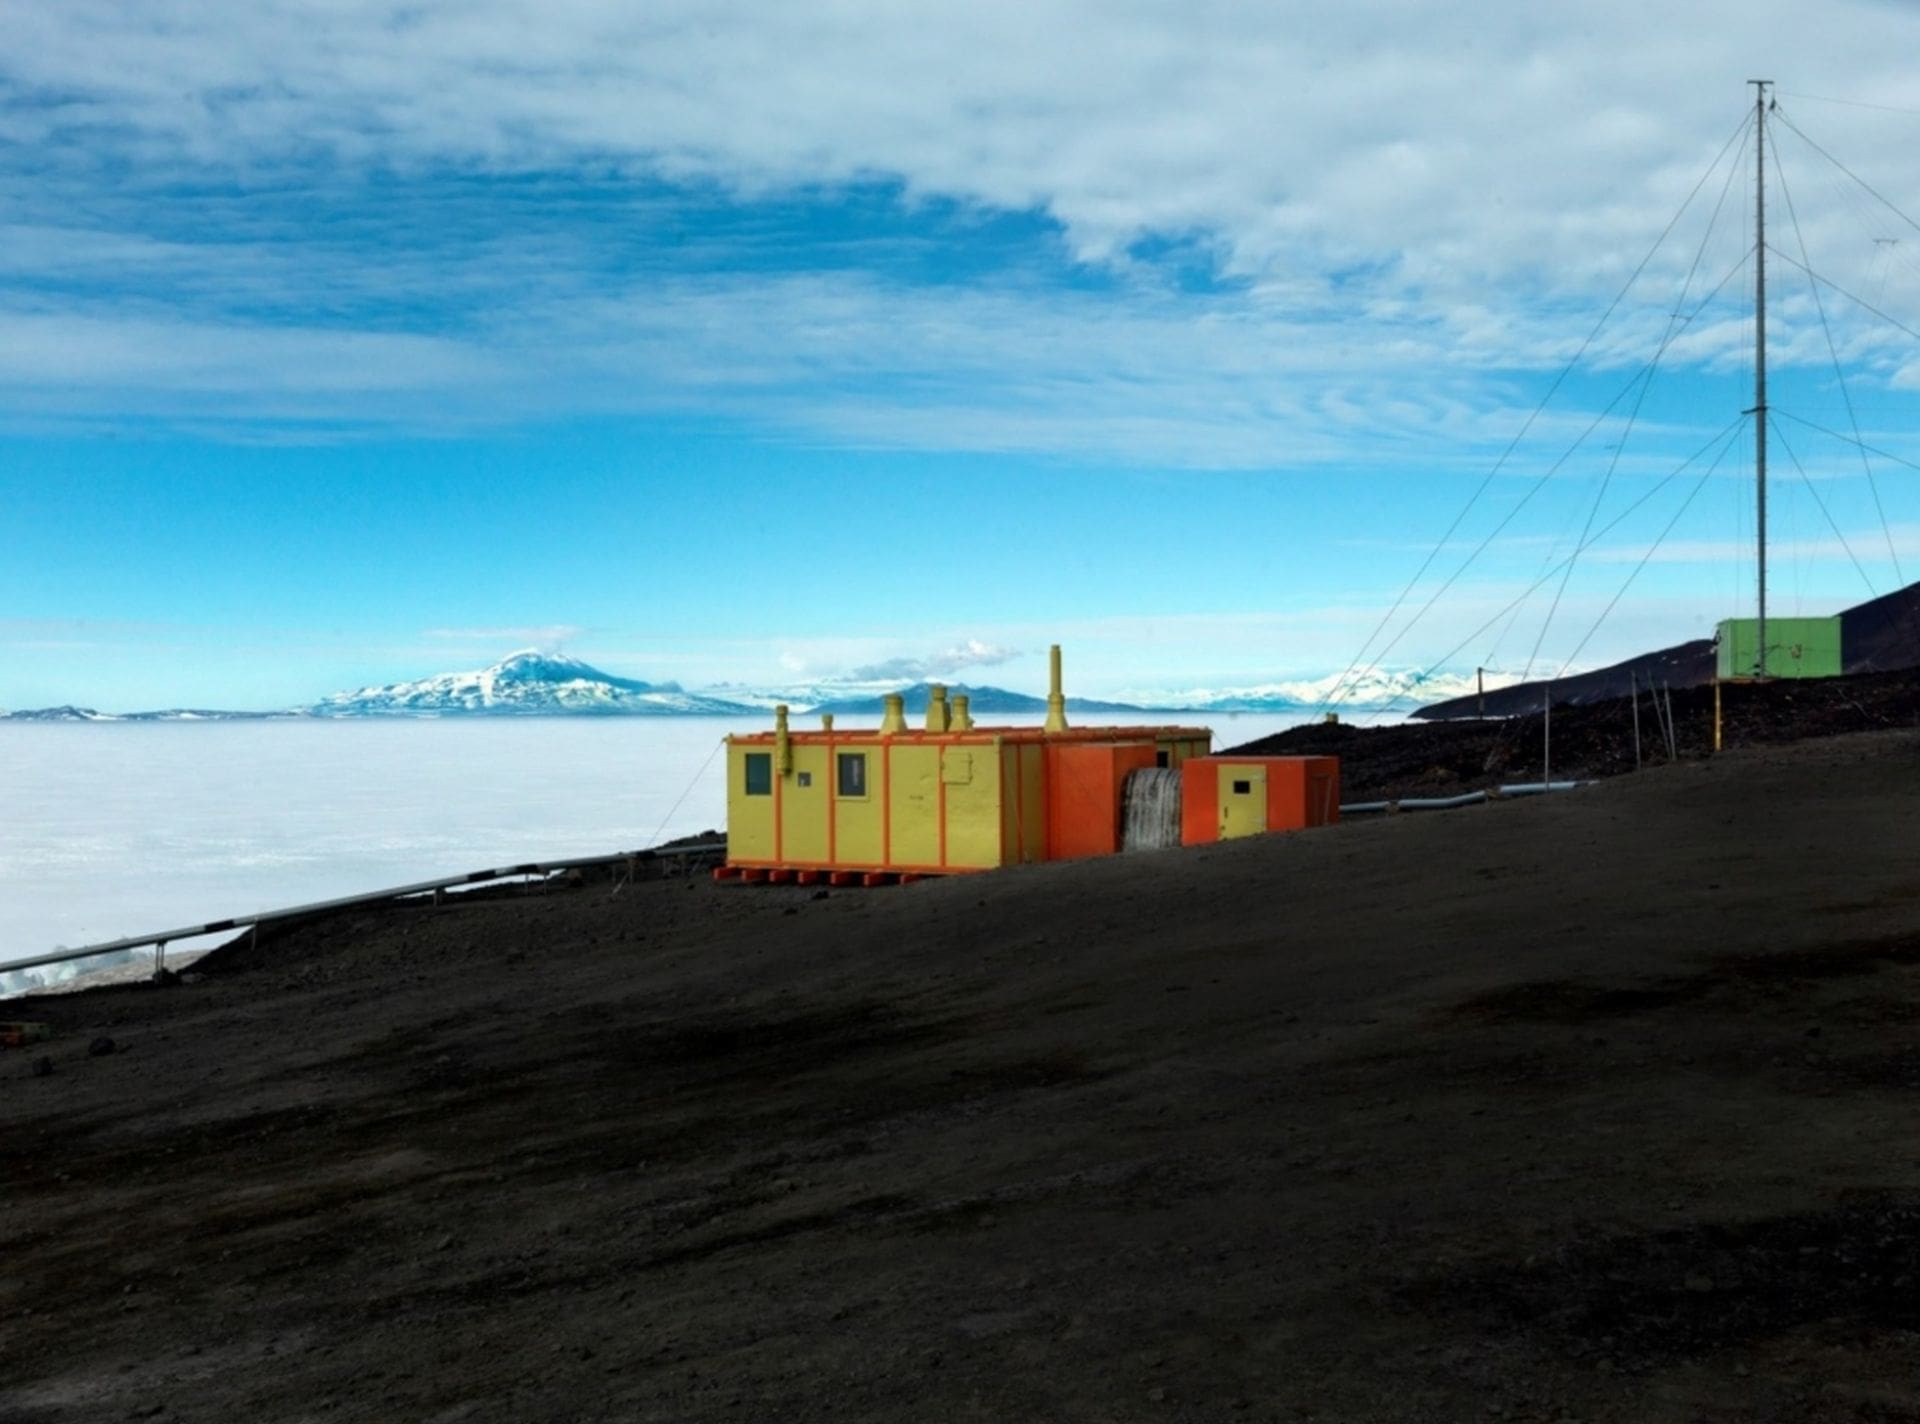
1159,758
1243,788
804,778
759,773
853,773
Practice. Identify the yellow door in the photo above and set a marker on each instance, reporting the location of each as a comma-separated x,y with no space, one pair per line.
1243,801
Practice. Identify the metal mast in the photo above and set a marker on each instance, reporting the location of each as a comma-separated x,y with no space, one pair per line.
1760,87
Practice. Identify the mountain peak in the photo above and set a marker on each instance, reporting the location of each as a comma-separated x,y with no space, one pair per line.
535,665
542,655
529,682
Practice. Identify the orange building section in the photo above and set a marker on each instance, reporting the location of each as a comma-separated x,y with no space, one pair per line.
1225,797
1084,783
1199,803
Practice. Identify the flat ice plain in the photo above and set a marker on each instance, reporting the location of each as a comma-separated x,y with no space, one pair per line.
130,828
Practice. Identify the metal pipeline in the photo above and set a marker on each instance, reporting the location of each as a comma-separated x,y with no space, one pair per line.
1440,803
1466,798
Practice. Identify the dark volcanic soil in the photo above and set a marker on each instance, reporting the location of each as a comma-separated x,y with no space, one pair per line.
1599,1107
1445,758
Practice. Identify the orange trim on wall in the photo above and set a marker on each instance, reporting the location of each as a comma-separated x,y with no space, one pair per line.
940,805
833,798
886,802
983,736
861,866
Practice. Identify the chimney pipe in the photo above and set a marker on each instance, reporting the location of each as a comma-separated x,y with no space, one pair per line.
895,718
782,747
962,718
937,708
1056,699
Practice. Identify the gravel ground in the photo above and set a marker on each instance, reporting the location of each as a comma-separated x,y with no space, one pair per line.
1599,1107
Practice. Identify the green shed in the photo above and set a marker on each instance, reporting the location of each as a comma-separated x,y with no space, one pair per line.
1796,647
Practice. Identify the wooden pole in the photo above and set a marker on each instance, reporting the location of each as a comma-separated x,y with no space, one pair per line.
1716,714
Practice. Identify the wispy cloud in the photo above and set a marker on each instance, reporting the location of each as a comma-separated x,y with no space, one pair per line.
548,637
974,653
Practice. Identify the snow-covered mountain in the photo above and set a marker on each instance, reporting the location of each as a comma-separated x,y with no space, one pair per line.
1404,688
528,683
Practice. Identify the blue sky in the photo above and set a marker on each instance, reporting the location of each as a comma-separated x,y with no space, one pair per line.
360,341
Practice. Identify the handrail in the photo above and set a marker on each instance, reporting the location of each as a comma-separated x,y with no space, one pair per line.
371,897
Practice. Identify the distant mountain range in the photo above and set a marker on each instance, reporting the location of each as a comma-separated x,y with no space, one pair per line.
172,714
1369,689
532,683
528,683
979,699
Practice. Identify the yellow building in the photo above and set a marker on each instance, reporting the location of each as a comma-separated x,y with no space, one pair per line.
893,802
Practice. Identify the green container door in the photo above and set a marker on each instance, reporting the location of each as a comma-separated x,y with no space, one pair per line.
1796,647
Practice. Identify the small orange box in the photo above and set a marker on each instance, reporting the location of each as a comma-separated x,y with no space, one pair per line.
1225,797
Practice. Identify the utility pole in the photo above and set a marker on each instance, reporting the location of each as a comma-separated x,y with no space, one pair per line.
1760,87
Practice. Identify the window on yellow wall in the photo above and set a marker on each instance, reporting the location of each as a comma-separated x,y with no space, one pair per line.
851,768
759,770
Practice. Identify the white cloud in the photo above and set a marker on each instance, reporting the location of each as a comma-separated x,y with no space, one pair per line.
1401,206
1384,131
59,351
973,653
